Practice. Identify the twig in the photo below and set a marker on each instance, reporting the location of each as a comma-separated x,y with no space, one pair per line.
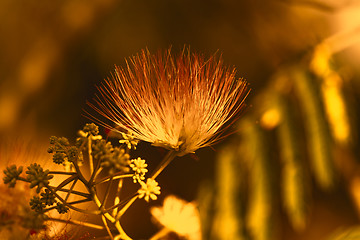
65,182
123,210
86,195
70,190
163,232
95,174
106,179
72,207
70,203
61,172
117,197
91,161
106,194
106,226
120,203
122,233
167,159
75,222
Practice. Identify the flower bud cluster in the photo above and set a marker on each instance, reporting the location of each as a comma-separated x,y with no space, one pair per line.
63,152
38,177
114,159
12,173
48,198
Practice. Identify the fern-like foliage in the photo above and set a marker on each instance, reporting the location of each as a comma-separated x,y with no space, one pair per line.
295,140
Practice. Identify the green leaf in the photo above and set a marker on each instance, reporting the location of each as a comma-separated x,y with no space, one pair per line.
319,141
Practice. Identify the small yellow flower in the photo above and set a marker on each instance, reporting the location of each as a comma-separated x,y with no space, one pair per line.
179,216
139,167
179,103
149,189
129,140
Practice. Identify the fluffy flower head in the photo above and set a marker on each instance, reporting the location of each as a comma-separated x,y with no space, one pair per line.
178,102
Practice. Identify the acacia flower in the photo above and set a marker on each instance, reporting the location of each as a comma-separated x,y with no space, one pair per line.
179,216
179,102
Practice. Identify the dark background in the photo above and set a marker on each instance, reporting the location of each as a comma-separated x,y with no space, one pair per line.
54,53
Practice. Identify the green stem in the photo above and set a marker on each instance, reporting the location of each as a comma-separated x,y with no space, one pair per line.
117,197
70,190
65,182
104,213
114,178
91,161
80,175
85,224
162,233
123,210
95,174
167,159
86,195
70,203
63,173
106,194
106,226
72,207
122,235
120,203
80,201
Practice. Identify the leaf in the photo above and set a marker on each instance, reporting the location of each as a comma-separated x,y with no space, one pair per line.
228,220
318,138
260,214
295,182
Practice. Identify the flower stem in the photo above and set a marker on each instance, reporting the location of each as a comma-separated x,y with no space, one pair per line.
70,190
70,206
65,182
107,226
86,195
70,203
85,224
117,197
95,173
123,210
79,174
122,235
163,232
167,159
114,178
91,161
104,213
106,194
63,173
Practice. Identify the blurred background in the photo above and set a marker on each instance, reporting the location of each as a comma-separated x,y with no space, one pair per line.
298,134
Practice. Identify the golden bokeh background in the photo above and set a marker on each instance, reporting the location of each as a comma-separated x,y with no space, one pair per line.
54,53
